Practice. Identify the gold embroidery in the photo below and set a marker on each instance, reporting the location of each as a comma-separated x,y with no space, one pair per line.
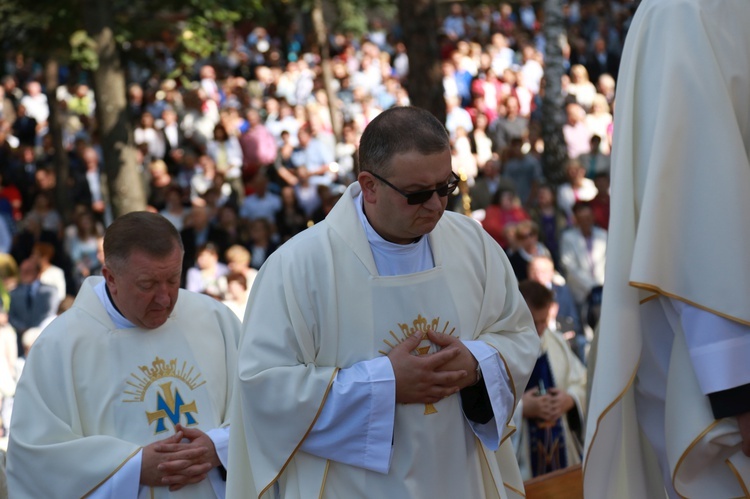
170,404
159,370
420,326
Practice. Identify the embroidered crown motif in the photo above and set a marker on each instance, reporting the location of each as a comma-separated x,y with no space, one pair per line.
420,326
159,370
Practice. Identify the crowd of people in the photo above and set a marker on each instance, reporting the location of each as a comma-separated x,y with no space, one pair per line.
245,157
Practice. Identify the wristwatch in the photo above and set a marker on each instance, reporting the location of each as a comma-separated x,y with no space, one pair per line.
479,373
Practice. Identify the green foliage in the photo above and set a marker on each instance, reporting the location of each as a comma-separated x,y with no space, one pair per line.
42,25
200,26
354,15
202,36
83,50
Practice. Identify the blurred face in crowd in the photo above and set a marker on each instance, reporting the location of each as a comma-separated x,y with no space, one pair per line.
544,197
541,317
585,219
145,288
169,117
28,271
527,238
541,270
207,259
147,120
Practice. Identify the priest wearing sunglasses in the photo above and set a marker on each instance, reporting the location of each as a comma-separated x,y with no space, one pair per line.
383,348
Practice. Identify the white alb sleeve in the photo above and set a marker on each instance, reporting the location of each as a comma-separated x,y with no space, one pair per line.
220,438
499,390
355,426
719,348
124,484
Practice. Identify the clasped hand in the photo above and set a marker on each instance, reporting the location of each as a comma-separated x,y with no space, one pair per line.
548,407
426,379
174,463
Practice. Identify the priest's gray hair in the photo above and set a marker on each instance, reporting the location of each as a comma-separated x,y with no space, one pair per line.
139,230
400,130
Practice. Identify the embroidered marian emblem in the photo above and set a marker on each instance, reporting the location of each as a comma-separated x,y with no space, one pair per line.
170,403
420,326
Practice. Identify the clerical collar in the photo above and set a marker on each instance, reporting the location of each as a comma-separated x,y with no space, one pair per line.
393,259
102,292
372,235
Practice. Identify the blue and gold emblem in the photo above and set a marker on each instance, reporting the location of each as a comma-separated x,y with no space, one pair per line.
170,403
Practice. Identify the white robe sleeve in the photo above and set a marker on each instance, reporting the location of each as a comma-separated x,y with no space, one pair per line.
355,426
499,390
220,438
719,348
125,484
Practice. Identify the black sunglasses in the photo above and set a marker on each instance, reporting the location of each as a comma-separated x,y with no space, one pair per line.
420,197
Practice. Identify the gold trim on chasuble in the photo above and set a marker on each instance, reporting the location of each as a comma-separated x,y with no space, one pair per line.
656,289
686,452
320,409
325,478
511,427
727,461
513,489
131,456
485,462
421,326
739,479
606,410
170,404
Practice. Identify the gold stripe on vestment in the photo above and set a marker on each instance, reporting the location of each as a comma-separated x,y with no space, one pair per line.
315,419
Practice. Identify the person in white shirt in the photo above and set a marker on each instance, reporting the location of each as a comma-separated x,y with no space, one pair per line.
35,102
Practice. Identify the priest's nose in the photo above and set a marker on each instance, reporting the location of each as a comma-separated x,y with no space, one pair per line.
162,296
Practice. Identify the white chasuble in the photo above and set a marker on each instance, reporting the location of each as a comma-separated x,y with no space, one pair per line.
317,305
92,395
401,306
678,230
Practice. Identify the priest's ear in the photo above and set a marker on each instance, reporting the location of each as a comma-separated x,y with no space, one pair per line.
369,185
109,277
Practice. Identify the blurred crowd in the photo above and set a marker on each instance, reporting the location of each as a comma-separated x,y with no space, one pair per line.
244,155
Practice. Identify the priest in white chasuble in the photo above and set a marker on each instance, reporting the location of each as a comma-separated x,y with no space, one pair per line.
669,411
126,395
384,349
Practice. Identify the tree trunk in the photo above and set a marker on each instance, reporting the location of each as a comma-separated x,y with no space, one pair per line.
62,165
124,184
555,153
321,36
419,20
